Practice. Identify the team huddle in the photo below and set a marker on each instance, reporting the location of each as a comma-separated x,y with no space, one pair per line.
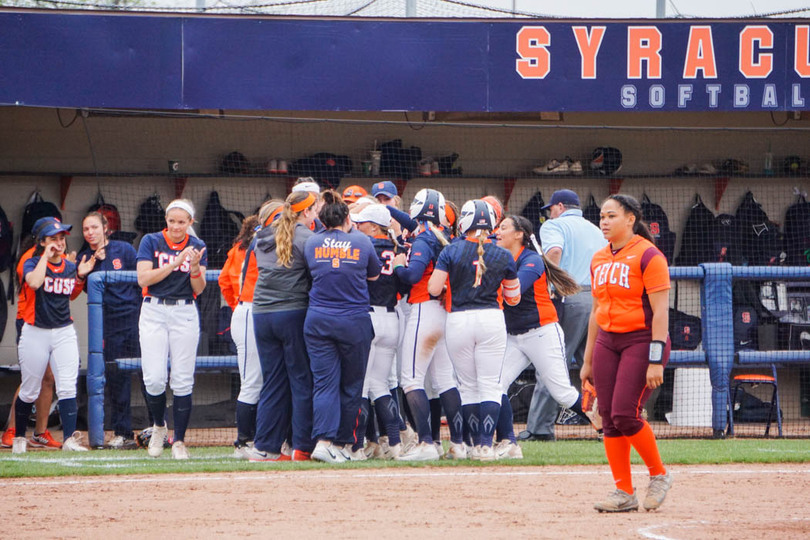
358,326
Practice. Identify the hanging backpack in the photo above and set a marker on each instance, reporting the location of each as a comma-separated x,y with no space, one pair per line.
6,241
534,213
37,208
327,168
219,229
151,216
697,242
657,221
725,240
399,162
760,239
797,233
592,211
234,163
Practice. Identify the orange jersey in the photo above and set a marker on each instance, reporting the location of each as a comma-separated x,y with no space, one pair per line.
622,281
232,272
24,297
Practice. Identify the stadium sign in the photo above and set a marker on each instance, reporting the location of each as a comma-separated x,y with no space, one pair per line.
58,59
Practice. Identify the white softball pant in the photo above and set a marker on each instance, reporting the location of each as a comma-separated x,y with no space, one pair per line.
247,355
169,330
424,349
40,346
403,310
381,356
543,347
477,341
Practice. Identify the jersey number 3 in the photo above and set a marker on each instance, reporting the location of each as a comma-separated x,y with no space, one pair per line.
387,260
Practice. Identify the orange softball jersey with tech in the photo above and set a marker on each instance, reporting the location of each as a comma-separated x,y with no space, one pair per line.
622,281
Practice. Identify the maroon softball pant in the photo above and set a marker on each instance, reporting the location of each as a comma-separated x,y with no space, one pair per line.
620,364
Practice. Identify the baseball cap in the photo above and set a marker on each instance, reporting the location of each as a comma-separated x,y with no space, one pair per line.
375,213
352,193
565,196
386,189
50,226
307,184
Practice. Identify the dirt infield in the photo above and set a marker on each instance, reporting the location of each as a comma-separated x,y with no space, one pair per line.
739,501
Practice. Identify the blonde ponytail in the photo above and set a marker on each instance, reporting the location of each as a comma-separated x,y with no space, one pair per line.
481,267
438,233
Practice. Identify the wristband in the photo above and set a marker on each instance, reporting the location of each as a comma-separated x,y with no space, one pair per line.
398,266
198,274
656,352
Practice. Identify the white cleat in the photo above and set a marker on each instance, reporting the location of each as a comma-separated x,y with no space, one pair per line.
327,452
19,446
421,452
74,443
159,434
456,451
506,449
179,450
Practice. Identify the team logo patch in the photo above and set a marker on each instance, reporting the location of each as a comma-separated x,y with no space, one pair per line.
335,263
117,264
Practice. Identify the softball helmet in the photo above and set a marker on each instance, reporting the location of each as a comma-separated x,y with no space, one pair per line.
476,215
428,205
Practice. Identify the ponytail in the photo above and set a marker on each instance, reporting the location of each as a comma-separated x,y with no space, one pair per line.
564,284
481,267
285,226
438,233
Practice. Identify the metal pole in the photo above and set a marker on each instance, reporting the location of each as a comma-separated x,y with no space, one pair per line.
660,9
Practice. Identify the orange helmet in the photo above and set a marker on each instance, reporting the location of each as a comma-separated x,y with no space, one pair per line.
352,193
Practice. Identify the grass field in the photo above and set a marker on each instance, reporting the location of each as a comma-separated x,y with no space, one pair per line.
218,459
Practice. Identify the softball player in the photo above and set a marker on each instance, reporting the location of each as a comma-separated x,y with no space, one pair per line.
338,329
121,311
238,294
280,300
476,333
534,334
374,221
424,349
628,347
171,269
48,336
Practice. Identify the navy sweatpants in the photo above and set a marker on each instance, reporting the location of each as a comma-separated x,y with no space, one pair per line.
121,341
286,396
338,349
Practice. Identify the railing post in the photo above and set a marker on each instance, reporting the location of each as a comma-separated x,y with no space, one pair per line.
718,336
95,359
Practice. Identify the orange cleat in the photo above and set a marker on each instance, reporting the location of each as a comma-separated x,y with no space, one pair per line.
44,440
8,438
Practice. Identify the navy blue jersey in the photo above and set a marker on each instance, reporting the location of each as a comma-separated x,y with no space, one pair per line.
535,308
120,299
340,264
160,251
460,260
383,291
51,305
425,249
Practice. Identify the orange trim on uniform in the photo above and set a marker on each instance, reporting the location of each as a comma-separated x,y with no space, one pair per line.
172,245
621,288
23,299
229,275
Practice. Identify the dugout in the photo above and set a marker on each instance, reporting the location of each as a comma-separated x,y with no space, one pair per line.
103,102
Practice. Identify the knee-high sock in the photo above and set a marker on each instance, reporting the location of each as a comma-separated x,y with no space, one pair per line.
68,411
489,419
388,416
617,450
373,428
436,419
395,395
451,401
22,411
506,425
245,422
157,406
420,409
647,448
471,414
182,414
362,425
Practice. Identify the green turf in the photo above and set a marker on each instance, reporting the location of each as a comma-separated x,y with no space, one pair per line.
685,451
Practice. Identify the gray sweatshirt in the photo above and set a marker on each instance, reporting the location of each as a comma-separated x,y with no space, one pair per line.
279,288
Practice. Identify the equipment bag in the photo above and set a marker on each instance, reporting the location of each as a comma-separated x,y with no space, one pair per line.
658,223
797,233
399,162
6,241
151,216
327,168
697,243
534,213
760,239
725,240
37,208
592,211
219,229
606,160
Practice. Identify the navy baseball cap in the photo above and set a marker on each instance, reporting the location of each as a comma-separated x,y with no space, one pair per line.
565,196
50,226
386,189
